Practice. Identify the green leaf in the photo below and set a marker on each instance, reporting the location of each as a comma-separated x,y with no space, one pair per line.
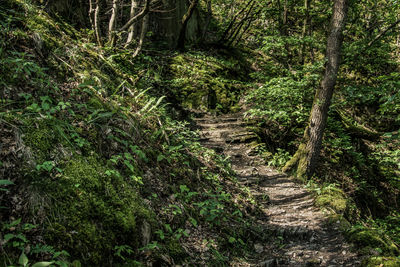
232,239
160,157
168,228
42,264
184,188
76,263
6,182
23,259
8,237
193,221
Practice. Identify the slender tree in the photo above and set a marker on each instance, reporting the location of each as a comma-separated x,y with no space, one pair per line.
306,24
308,152
137,17
145,24
96,22
132,28
113,22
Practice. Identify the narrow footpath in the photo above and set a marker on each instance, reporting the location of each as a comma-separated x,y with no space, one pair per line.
304,238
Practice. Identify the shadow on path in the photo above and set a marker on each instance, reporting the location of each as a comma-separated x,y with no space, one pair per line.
301,235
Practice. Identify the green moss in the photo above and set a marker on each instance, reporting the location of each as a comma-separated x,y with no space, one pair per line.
339,221
332,198
381,262
40,137
373,239
175,250
196,77
93,212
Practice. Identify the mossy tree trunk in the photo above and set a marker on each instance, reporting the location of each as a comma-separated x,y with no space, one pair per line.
185,21
308,152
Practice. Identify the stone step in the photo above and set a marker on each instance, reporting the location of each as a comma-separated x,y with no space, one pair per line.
219,125
215,120
223,132
219,148
245,137
234,138
292,232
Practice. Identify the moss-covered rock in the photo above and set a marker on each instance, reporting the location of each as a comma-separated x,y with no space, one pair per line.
368,239
381,262
339,221
332,198
92,212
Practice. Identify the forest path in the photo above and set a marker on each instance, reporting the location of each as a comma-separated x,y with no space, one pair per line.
303,236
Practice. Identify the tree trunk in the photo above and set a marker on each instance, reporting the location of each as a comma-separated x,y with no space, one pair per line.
308,152
96,23
232,22
132,21
143,33
306,24
185,20
91,13
112,24
237,29
208,20
284,18
249,21
132,32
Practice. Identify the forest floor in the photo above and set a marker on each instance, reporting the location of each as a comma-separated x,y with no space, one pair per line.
304,237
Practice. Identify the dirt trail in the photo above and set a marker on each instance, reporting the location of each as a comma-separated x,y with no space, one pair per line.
304,237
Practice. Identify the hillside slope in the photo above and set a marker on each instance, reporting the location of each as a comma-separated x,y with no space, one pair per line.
93,167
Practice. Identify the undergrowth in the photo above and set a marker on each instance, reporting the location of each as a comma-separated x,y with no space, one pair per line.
97,173
360,153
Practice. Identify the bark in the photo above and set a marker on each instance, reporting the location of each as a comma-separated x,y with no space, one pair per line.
284,18
232,22
247,27
307,155
91,13
237,29
144,12
185,21
113,22
208,20
145,25
306,24
132,32
96,23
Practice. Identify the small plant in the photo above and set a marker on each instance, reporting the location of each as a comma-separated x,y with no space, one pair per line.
280,158
15,239
5,183
123,249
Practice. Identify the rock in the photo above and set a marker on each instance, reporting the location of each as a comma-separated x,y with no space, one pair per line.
145,233
268,263
313,262
258,248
